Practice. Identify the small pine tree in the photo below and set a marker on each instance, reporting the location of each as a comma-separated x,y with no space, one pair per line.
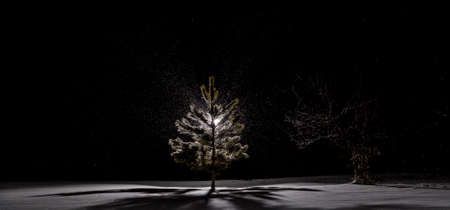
210,139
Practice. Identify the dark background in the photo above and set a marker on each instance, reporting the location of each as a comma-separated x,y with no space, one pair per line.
103,94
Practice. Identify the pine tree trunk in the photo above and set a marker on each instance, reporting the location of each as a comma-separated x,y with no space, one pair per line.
213,181
213,161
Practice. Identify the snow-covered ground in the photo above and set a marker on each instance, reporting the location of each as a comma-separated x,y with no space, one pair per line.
288,193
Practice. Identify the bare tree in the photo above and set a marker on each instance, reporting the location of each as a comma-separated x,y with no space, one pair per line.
352,125
314,116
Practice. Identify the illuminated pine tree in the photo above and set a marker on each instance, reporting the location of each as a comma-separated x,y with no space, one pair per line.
209,139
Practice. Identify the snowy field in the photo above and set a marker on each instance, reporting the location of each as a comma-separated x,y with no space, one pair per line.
287,193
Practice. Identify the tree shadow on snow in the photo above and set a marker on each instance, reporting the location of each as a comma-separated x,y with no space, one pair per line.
132,190
228,198
173,198
232,199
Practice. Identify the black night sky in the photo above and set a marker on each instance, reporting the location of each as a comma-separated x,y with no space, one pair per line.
107,106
